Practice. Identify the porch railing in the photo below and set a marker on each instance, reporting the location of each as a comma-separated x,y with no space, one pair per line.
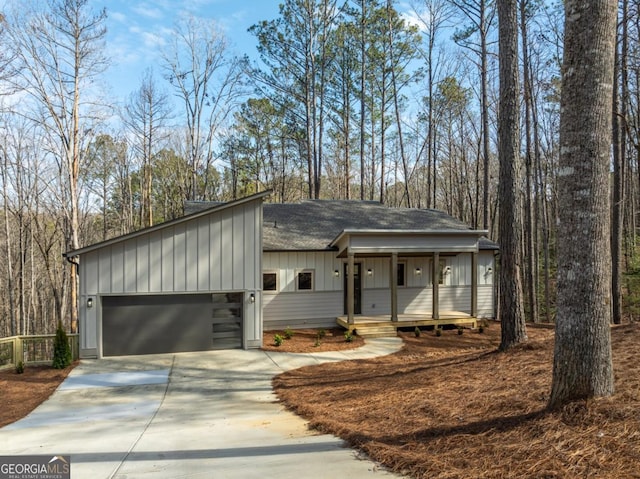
37,349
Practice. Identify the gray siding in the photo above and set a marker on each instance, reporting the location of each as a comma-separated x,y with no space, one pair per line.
218,252
212,253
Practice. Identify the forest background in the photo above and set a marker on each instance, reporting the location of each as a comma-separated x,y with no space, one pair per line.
371,100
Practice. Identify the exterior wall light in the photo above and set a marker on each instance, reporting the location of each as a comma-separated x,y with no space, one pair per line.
418,271
336,272
252,298
369,272
90,303
447,270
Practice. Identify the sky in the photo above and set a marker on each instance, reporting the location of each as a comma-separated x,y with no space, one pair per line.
137,31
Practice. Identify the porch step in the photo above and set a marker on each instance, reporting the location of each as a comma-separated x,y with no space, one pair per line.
376,331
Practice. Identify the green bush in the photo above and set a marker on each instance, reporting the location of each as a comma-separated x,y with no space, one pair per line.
460,330
61,350
417,332
438,331
19,367
321,333
348,336
288,333
277,340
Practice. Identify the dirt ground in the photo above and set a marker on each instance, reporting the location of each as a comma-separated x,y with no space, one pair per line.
453,407
305,341
22,393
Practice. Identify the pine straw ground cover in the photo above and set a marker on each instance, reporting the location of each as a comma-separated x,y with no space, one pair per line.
453,407
22,393
307,341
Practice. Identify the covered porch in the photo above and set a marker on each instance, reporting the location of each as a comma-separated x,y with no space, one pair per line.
354,245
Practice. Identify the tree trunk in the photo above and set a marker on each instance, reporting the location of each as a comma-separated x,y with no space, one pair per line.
530,232
582,362
510,221
485,113
617,199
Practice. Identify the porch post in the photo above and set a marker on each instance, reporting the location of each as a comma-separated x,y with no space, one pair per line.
474,285
393,279
435,280
350,286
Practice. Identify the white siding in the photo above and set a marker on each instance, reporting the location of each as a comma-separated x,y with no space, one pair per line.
419,300
288,264
416,297
301,309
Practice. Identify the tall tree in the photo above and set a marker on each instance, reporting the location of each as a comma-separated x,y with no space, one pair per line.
146,115
208,82
510,219
582,366
295,51
480,14
433,16
60,50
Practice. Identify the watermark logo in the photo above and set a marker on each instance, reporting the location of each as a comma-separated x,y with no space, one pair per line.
35,467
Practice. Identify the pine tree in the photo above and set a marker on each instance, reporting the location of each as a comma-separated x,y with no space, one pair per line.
61,349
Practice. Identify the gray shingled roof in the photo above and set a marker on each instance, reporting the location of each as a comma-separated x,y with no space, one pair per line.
313,224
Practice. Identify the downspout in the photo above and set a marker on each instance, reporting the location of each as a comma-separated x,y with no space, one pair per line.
74,300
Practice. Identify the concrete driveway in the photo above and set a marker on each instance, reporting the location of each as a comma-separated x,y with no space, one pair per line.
209,415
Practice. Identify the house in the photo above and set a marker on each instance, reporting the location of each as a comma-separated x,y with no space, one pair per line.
223,273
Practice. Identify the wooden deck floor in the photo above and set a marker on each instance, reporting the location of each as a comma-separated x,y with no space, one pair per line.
380,326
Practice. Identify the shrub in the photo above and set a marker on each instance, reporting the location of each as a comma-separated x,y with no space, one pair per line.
61,349
317,343
480,329
19,367
277,340
417,332
288,333
438,331
460,330
348,336
322,333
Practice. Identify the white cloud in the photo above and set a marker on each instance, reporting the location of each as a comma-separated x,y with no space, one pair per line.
145,10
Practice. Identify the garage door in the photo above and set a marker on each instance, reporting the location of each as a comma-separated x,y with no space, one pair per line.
171,323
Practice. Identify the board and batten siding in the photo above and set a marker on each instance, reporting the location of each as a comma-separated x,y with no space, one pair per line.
211,253
218,252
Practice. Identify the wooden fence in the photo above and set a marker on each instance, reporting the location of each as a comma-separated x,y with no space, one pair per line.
32,349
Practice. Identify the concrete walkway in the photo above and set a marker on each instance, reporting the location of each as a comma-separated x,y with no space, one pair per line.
207,414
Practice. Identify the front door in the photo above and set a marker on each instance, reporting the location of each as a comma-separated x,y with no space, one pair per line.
357,288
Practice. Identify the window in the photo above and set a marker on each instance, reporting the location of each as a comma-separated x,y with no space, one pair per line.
304,280
401,281
270,281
